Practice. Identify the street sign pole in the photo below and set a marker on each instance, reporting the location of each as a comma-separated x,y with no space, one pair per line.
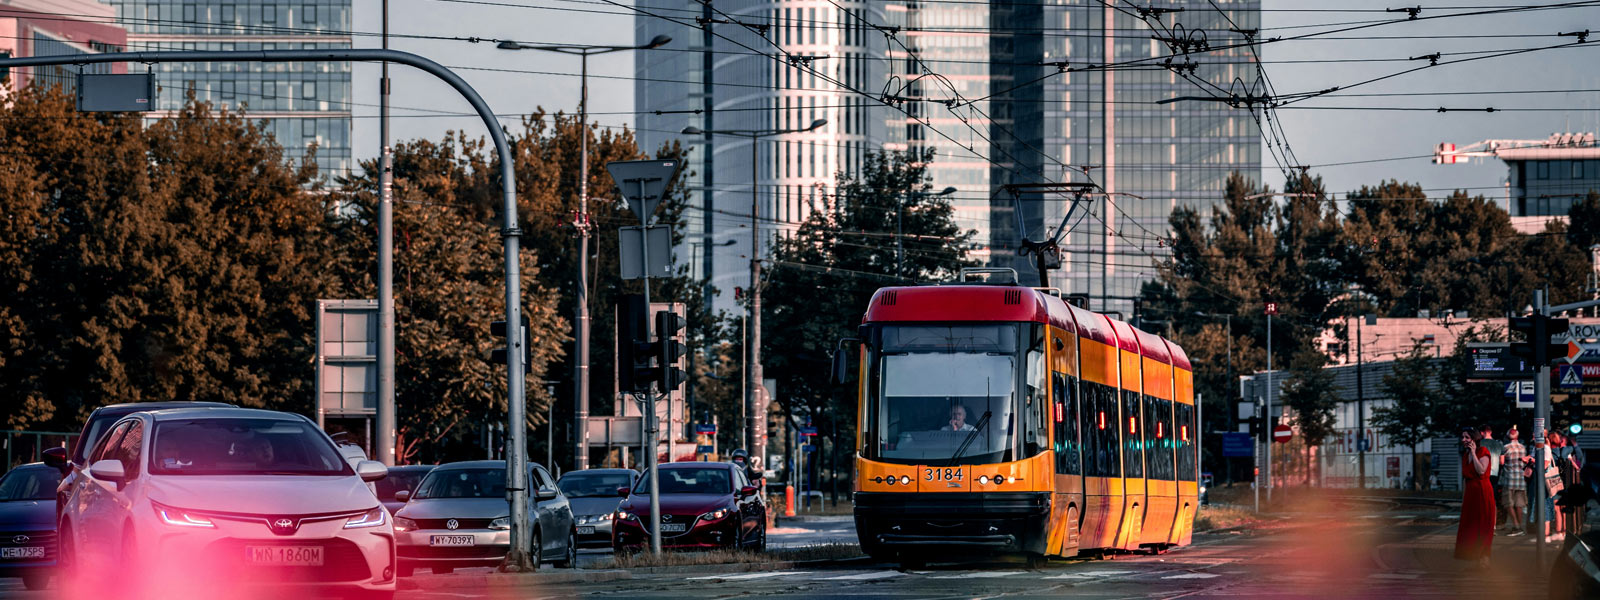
1272,309
1541,414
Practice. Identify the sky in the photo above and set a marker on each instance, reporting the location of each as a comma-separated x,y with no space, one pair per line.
1320,137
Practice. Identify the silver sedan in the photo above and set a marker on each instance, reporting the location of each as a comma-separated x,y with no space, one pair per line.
459,517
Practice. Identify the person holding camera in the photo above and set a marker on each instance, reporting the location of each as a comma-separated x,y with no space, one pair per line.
1476,531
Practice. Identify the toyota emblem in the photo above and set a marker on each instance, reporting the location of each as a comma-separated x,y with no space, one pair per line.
451,524
21,539
283,524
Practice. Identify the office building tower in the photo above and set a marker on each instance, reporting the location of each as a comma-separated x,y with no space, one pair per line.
721,66
305,104
58,28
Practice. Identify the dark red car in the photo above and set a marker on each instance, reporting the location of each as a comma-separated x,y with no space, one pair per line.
704,506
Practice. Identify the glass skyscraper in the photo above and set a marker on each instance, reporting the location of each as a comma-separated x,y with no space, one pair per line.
305,104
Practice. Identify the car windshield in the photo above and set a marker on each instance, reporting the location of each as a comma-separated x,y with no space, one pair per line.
487,482
243,447
590,485
97,427
689,481
29,484
946,393
399,480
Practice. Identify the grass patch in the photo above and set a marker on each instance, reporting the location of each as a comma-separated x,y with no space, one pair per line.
728,557
1222,517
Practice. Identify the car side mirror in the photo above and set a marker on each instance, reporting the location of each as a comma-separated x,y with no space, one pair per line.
402,496
841,360
56,457
108,470
623,492
747,491
546,494
371,470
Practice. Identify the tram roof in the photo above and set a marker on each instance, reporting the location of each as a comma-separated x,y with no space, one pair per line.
1180,359
1153,346
1126,338
1093,326
968,303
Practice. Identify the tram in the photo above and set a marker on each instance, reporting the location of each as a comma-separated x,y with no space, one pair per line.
998,418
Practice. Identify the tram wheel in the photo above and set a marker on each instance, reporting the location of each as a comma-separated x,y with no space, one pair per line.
1036,561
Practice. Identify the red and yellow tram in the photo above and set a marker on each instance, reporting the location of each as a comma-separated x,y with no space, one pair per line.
999,418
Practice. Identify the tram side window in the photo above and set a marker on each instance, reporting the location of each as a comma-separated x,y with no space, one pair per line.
1101,435
1065,418
1158,422
1133,453
1035,432
1186,446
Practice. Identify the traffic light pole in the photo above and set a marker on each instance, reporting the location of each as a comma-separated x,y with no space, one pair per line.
1541,416
649,408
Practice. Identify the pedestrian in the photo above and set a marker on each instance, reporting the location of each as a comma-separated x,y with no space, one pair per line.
1514,483
1411,482
1475,533
1545,466
1569,463
1495,450
1433,481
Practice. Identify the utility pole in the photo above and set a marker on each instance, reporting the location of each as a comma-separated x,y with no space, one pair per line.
1108,121
580,325
386,410
1361,407
1541,416
1270,422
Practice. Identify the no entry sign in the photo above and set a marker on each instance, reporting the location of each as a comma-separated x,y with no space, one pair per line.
1281,434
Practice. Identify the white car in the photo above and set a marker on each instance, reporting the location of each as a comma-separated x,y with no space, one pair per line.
182,502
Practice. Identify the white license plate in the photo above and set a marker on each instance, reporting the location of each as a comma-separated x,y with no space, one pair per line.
23,552
585,530
674,527
451,540
285,556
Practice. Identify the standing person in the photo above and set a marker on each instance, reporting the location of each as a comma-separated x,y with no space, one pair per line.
1513,483
1476,531
1411,481
1496,449
1545,466
1569,463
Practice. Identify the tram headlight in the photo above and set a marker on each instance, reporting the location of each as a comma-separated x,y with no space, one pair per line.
905,480
983,479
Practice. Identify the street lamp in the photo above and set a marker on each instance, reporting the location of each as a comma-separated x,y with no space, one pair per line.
754,419
899,247
581,324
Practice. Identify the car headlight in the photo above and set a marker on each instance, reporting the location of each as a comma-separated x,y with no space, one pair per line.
623,515
179,518
371,518
404,524
714,515
500,523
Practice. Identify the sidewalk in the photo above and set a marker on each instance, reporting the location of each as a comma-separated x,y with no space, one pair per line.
1513,567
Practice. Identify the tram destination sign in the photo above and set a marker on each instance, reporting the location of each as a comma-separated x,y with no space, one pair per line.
1494,362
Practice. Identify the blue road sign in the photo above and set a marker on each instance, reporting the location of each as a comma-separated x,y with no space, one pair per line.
1571,377
808,431
704,449
809,448
1364,445
1237,444
707,429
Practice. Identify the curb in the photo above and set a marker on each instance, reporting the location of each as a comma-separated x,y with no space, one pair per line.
498,580
816,519
753,567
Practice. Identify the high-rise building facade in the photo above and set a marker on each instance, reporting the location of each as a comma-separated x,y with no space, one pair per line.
305,104
718,75
58,28
1001,92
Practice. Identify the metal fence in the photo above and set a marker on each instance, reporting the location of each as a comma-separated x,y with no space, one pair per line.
24,447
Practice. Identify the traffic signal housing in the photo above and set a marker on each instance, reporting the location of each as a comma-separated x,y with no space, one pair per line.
635,353
498,329
669,350
1538,351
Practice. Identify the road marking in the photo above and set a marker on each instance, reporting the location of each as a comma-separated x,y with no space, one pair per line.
1088,574
866,576
749,576
1404,517
1449,517
1393,576
982,575
1191,576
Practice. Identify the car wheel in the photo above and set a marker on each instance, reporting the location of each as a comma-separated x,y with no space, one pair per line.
761,542
36,579
130,567
569,559
370,595
536,551
66,555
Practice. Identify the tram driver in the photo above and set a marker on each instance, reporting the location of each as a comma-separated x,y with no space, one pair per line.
958,419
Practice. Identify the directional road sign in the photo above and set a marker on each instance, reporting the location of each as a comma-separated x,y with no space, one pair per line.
1282,434
1237,444
1521,392
629,255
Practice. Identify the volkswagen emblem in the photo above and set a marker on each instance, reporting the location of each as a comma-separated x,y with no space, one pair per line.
21,539
451,524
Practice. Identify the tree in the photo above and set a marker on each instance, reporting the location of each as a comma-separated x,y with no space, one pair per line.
1410,386
179,260
849,250
1309,393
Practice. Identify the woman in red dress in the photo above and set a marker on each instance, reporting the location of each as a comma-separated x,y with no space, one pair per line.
1477,501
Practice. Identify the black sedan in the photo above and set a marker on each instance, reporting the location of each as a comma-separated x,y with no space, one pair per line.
595,495
704,506
27,523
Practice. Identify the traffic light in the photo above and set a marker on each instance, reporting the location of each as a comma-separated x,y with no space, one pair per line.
635,371
1538,351
498,329
669,350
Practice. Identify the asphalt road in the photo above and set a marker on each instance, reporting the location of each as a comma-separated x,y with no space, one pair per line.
1380,552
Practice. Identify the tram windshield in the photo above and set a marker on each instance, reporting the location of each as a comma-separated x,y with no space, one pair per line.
946,393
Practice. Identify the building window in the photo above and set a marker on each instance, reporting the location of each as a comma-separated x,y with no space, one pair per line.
1577,169
228,15
308,13
269,13
310,92
189,13
227,90
1543,170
